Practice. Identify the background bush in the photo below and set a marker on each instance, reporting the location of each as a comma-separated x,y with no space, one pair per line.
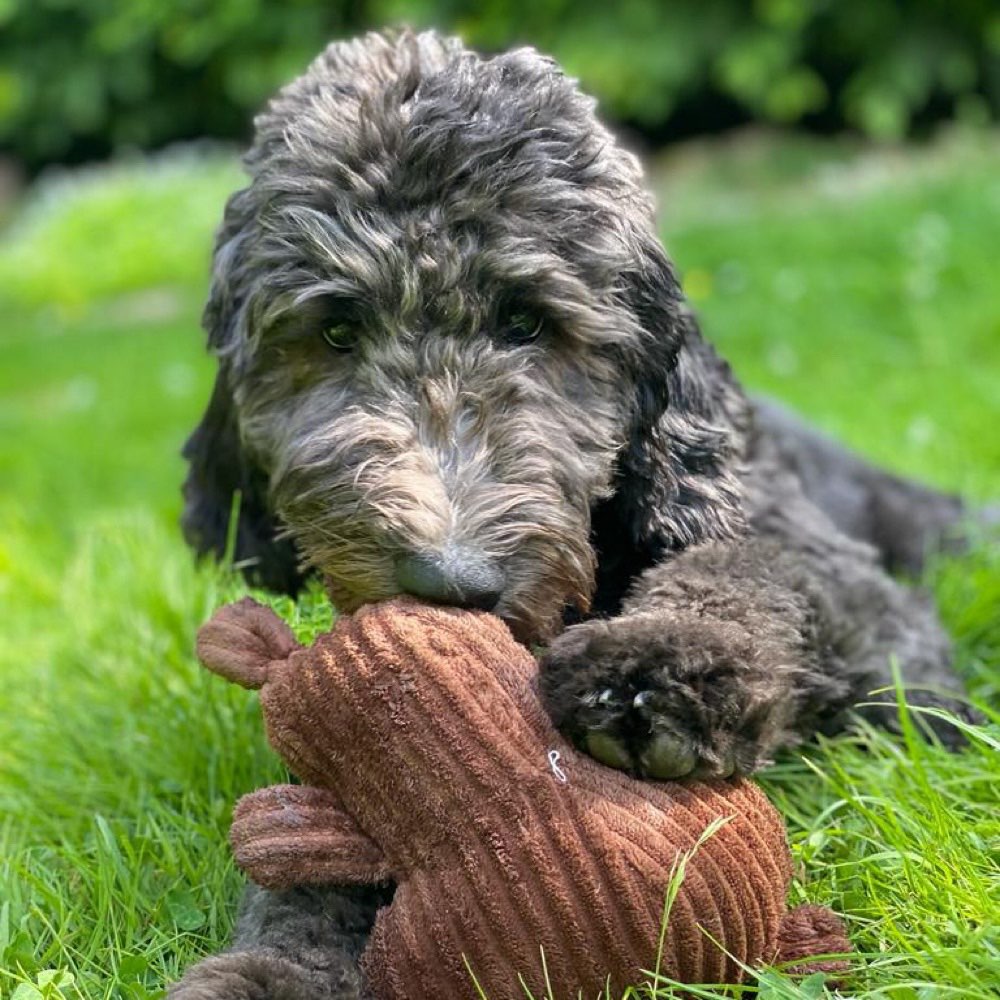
80,78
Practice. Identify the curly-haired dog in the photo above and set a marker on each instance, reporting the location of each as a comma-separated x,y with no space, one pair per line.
454,360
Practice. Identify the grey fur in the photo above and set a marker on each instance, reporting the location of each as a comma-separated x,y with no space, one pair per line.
418,196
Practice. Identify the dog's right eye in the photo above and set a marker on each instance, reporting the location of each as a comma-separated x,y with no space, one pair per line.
518,329
339,336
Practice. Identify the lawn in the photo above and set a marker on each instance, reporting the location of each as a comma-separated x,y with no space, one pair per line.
859,286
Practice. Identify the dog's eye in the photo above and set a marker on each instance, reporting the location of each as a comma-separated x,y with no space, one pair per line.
340,336
521,328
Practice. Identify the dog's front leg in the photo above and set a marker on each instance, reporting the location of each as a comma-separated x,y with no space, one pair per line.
301,944
727,651
700,681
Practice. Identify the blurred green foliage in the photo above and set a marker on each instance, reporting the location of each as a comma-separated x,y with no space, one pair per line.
79,78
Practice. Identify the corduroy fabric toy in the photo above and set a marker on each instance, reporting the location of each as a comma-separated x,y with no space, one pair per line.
430,761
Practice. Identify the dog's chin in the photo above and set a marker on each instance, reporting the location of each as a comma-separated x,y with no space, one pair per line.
542,581
347,600
529,631
537,623
530,622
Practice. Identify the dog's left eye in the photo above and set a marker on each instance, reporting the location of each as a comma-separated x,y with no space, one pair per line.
340,336
522,328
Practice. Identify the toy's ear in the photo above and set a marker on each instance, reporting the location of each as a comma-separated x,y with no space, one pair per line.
676,483
242,640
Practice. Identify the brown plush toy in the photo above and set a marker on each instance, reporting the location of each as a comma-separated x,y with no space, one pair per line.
429,761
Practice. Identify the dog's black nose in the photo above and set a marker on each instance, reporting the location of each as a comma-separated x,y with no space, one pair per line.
455,576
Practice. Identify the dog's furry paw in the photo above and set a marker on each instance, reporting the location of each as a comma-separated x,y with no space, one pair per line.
260,976
668,697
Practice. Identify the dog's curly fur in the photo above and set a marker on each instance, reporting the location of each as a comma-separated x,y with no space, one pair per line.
513,373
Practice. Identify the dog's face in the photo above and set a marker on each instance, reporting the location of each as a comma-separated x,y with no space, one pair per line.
443,314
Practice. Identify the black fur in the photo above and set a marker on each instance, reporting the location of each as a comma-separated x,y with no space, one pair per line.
221,483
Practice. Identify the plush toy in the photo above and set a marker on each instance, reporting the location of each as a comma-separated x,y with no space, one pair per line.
429,761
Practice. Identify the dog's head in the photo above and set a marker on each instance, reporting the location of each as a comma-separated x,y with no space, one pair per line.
447,334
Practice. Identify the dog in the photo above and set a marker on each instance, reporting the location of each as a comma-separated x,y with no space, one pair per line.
454,361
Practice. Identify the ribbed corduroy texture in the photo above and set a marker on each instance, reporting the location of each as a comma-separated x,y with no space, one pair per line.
426,723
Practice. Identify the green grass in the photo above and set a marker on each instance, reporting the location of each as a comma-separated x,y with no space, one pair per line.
859,286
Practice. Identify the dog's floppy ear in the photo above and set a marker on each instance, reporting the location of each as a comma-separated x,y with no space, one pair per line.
218,470
677,482
219,467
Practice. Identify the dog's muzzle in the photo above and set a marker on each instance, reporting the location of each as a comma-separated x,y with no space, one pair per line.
456,575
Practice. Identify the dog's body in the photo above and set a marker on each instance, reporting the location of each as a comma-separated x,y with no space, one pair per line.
455,361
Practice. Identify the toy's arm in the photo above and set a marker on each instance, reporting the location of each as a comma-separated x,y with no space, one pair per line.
813,937
289,835
241,640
